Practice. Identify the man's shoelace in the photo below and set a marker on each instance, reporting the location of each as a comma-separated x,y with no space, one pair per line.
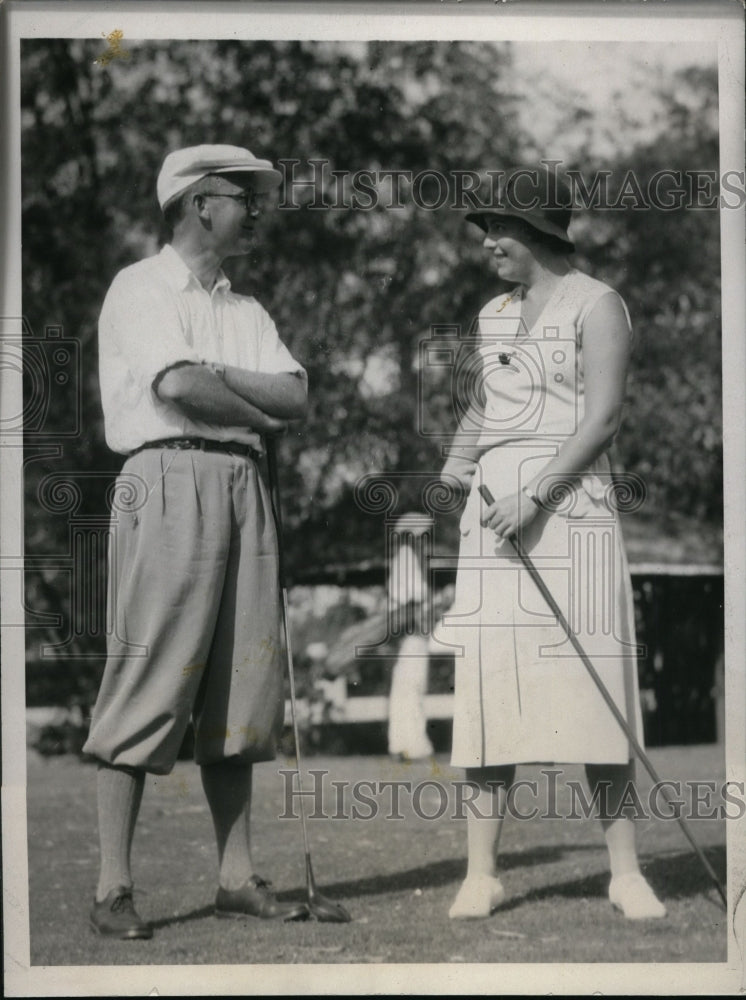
260,883
124,901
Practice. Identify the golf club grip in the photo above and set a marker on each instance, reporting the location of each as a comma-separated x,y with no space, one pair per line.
486,494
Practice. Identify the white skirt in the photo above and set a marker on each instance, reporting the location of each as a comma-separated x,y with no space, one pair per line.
522,694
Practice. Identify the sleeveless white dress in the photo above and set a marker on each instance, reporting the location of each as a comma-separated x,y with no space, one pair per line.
522,693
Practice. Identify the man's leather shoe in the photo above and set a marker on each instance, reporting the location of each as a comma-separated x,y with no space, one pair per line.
116,917
256,899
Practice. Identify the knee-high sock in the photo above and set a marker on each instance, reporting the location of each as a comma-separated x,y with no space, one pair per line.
228,790
620,833
484,819
119,793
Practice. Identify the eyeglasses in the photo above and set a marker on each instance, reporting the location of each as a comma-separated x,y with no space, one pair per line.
248,198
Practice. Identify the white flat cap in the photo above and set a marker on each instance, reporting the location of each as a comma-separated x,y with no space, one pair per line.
185,166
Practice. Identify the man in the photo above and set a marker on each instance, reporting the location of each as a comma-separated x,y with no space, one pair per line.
192,375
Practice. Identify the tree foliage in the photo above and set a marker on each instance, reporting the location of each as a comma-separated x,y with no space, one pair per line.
354,292
666,264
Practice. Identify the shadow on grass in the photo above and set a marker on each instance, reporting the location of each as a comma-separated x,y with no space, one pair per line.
678,875
673,876
183,918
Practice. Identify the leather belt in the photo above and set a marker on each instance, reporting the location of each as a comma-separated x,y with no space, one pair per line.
201,444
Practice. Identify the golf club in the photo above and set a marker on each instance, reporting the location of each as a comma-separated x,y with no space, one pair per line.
546,594
319,906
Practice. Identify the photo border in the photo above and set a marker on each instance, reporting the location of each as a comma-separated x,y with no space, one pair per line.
345,19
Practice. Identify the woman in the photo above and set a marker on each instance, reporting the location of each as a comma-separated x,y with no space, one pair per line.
554,353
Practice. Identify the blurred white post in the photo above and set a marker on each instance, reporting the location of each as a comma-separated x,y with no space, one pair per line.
409,609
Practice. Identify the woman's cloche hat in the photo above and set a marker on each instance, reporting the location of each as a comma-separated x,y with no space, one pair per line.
538,197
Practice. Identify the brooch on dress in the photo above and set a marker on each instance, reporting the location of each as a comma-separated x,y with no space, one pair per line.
507,300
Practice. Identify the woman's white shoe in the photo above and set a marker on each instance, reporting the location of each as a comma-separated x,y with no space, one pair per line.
477,897
633,896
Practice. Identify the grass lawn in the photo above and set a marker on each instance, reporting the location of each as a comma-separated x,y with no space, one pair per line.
396,876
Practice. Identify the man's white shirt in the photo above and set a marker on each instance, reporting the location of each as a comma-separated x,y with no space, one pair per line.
157,314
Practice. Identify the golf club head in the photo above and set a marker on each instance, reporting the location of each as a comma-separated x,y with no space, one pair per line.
326,911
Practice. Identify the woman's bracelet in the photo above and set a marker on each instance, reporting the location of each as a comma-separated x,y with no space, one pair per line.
533,497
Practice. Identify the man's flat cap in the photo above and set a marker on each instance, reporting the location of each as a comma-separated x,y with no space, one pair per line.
185,166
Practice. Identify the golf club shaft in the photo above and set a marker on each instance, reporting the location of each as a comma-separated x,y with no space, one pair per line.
274,492
319,907
546,594
294,715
